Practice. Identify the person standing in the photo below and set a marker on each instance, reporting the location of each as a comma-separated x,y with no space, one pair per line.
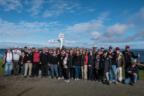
8,64
28,63
107,66
54,65
71,64
113,69
60,56
82,53
36,63
120,64
21,71
16,57
101,65
90,65
96,64
66,68
86,65
44,62
77,63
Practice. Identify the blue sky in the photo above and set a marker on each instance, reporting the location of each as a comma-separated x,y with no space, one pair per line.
84,22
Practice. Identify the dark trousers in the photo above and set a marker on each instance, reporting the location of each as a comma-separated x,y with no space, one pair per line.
96,74
35,69
72,72
21,69
66,73
60,71
101,74
15,67
90,73
44,69
126,72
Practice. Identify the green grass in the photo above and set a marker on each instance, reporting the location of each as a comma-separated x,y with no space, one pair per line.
141,74
1,69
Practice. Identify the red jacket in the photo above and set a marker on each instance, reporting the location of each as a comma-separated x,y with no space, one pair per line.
36,57
86,60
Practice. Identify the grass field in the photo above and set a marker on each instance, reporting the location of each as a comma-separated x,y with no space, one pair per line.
141,72
1,69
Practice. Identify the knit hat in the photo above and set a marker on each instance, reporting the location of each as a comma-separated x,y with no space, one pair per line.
117,48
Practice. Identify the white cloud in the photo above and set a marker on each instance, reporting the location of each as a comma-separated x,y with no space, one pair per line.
89,26
85,27
117,29
36,6
59,7
9,5
17,30
141,13
96,35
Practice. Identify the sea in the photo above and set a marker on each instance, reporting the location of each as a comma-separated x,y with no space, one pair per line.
137,52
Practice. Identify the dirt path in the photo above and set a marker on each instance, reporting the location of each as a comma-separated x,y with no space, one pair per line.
18,86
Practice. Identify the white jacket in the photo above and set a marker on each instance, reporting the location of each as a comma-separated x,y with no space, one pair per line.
16,54
9,57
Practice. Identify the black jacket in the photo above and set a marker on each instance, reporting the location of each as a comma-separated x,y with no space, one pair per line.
28,57
128,55
77,60
54,60
71,63
44,58
91,60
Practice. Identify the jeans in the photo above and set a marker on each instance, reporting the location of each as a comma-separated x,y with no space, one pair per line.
113,73
131,79
107,76
60,71
77,71
8,68
49,71
54,70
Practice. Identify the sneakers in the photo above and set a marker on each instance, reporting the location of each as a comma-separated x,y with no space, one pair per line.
77,79
67,81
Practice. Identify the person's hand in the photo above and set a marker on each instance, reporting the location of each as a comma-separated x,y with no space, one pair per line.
129,72
28,62
48,64
134,74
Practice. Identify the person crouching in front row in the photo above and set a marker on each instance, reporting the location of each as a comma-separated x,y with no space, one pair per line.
132,74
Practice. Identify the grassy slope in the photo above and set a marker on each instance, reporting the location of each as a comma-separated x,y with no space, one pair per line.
1,69
141,74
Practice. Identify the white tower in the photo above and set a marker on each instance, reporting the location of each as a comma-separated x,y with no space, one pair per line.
61,39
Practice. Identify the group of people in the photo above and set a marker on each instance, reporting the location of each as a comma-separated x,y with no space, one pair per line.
103,65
